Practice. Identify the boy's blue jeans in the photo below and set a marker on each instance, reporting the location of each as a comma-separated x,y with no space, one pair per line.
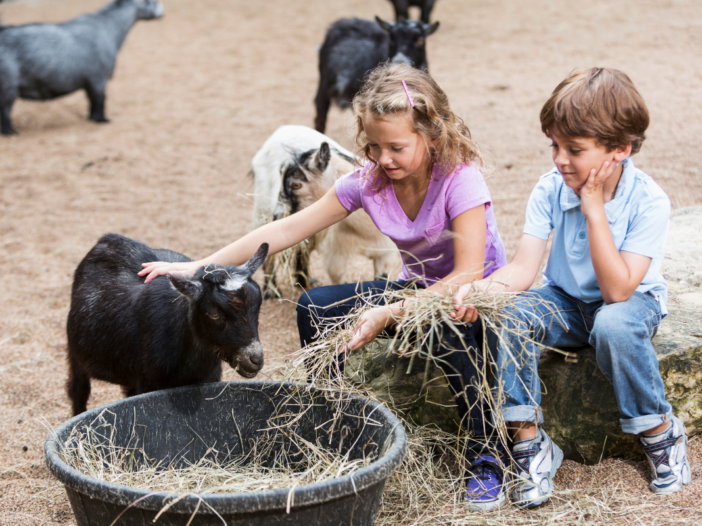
621,335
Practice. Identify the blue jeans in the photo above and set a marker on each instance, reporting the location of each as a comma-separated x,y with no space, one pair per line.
460,356
621,335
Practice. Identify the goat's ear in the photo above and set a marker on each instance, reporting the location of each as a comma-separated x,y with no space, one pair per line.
387,26
430,28
190,289
321,160
253,264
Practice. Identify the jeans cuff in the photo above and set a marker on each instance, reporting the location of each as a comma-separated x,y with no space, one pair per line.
523,413
640,424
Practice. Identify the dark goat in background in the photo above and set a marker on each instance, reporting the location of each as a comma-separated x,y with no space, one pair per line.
46,61
353,47
171,332
402,8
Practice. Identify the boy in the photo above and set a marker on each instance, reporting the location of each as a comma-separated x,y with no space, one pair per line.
609,223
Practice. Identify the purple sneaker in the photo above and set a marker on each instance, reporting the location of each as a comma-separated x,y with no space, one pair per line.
484,489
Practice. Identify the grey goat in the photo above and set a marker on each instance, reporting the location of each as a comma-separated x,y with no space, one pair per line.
46,61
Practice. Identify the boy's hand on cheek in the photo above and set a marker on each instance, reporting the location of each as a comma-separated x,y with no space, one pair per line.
592,192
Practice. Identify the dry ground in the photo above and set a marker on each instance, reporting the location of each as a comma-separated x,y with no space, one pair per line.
194,96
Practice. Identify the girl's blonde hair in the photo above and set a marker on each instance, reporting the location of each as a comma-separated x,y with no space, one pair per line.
383,94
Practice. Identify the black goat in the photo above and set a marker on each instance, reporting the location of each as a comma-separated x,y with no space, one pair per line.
353,47
402,8
46,61
172,332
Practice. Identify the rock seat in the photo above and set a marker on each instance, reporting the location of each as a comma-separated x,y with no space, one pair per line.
579,407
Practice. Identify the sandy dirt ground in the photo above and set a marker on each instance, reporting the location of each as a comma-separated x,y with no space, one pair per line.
195,95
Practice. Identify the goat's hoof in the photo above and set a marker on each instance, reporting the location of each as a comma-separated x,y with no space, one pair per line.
270,294
101,119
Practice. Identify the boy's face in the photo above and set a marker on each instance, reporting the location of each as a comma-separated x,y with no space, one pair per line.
576,157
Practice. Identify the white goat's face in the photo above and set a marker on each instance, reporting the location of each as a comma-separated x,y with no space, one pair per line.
308,176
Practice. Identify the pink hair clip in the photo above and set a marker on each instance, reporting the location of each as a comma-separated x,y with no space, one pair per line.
404,84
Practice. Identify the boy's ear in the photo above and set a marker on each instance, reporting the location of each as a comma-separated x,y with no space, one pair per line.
622,152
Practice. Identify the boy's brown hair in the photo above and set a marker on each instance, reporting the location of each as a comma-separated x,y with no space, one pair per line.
600,103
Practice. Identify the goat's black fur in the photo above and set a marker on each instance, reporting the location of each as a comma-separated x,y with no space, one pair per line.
353,47
171,332
402,8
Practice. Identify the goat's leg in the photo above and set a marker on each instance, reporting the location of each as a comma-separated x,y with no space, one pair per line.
401,9
215,375
386,263
321,102
302,269
78,385
96,95
129,391
426,10
270,287
337,251
5,122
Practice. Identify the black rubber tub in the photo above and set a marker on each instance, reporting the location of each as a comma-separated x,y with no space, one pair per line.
180,425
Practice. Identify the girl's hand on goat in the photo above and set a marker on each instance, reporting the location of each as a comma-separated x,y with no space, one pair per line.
369,327
466,313
153,269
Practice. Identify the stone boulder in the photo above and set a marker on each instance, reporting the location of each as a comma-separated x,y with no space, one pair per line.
579,407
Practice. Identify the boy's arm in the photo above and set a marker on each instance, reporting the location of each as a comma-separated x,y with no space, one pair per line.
516,276
618,273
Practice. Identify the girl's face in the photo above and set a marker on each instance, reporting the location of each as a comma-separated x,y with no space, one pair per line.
396,147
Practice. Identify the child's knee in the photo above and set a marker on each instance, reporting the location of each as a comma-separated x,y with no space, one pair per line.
617,320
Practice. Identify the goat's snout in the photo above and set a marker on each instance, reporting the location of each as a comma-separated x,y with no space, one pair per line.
401,58
249,360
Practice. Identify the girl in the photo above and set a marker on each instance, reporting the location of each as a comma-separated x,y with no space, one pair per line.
423,188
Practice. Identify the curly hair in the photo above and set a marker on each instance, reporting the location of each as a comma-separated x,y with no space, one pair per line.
383,94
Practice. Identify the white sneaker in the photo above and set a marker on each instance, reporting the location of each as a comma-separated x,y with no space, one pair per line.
537,461
667,455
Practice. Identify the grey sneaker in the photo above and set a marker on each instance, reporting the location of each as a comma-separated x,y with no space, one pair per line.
667,455
537,461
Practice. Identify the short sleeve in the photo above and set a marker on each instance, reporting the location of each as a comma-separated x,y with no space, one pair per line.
647,233
349,190
466,189
539,214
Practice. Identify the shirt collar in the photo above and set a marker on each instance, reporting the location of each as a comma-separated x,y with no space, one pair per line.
569,199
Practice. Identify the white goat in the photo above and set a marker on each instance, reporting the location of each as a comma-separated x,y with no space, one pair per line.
293,169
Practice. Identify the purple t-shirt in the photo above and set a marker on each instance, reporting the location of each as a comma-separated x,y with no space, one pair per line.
425,244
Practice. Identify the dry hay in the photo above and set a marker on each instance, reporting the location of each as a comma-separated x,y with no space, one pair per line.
266,465
428,488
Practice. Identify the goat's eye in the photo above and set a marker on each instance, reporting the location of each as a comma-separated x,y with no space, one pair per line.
213,316
296,186
420,42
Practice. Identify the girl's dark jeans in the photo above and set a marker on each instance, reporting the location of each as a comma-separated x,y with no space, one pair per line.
461,358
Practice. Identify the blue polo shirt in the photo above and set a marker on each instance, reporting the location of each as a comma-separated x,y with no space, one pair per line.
638,217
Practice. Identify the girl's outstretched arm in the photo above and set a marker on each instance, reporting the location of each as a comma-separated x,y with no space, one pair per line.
279,235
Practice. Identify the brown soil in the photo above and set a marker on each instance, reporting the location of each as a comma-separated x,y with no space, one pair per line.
195,95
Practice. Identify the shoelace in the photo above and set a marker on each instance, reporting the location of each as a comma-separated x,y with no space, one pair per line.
522,458
663,458
483,470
